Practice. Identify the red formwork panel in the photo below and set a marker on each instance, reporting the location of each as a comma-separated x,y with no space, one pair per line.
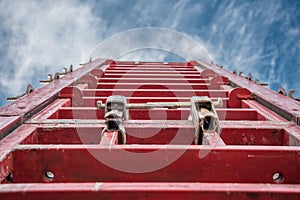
54,145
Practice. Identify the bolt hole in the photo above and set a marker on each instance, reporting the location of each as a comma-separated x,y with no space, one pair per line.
277,177
48,176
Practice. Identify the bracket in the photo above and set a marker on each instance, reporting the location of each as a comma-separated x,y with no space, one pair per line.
29,89
115,113
204,117
202,108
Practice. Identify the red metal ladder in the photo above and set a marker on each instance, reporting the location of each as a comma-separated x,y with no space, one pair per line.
54,149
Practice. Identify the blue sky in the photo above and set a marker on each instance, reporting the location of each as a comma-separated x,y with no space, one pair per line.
40,37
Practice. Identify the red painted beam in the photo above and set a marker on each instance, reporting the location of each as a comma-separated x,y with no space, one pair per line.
91,101
154,92
7,124
50,112
141,85
144,75
78,163
144,71
262,110
156,191
152,80
144,132
148,68
155,114
91,135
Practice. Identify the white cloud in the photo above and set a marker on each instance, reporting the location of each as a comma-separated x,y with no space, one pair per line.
241,35
45,36
151,38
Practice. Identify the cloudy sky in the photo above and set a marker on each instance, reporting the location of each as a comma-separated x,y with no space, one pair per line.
40,37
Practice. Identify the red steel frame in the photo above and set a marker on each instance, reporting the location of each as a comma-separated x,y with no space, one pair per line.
57,129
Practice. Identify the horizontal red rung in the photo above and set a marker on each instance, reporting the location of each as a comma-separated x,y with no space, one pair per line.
91,101
152,80
125,75
78,163
91,135
156,134
154,92
232,132
141,63
149,64
151,69
141,85
143,71
145,190
155,114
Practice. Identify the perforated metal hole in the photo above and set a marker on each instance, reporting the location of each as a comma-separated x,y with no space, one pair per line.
277,177
48,176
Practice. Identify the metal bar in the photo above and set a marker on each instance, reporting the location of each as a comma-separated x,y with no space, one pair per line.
92,101
159,190
7,124
150,105
50,112
178,75
152,80
158,85
154,92
151,69
262,110
154,114
143,132
136,133
182,123
144,71
227,164
145,66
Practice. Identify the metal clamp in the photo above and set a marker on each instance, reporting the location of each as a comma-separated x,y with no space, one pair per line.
204,117
50,79
29,89
115,113
202,110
